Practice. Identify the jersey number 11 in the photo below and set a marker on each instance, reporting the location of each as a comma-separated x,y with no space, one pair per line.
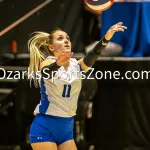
66,91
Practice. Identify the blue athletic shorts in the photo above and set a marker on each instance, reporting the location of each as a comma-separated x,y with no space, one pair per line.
46,128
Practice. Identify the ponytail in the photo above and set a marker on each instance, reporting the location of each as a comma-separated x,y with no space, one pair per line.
39,51
38,47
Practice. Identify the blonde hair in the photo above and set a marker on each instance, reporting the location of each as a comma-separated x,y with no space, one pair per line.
39,51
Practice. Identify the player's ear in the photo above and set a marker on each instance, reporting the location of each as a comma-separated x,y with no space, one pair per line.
51,48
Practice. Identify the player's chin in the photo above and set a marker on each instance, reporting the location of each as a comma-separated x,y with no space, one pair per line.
67,50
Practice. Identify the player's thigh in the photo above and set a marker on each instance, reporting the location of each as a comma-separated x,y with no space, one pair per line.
68,145
44,146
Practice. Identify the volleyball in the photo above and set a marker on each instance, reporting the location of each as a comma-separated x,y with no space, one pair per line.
99,5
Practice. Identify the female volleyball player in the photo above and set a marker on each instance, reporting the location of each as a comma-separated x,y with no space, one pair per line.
52,128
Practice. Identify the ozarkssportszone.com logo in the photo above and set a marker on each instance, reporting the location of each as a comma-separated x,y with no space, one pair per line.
99,5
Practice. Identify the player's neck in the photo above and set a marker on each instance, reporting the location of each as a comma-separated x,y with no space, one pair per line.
66,66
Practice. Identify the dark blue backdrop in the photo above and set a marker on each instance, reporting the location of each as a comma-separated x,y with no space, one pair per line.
136,16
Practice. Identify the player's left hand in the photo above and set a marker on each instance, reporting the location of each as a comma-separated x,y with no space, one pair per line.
115,28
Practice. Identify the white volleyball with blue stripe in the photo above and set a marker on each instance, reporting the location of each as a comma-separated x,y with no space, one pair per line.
99,5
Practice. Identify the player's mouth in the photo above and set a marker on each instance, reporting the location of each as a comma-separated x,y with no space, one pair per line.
67,47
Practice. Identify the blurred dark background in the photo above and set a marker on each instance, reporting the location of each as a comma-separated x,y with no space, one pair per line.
113,114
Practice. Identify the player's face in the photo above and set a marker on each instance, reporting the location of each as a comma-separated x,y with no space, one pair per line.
61,41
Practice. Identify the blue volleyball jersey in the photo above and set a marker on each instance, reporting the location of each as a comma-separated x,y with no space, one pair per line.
59,96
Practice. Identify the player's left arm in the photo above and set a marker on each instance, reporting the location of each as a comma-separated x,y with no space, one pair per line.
88,61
